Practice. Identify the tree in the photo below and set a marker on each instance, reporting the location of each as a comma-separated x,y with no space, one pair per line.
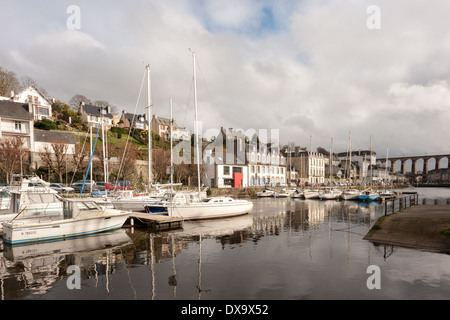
76,100
55,158
8,82
104,103
127,161
160,161
80,159
27,81
11,156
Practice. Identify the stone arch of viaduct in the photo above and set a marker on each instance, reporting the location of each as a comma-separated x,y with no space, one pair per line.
414,160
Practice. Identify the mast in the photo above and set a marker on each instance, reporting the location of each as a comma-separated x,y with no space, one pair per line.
171,142
386,167
196,124
149,111
350,156
331,161
370,160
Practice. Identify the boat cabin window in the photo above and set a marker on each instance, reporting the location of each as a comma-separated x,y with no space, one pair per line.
84,206
4,194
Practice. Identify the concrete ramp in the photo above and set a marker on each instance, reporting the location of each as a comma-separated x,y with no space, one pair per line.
418,227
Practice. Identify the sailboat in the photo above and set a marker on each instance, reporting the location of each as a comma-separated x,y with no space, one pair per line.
350,194
156,192
208,208
387,194
330,194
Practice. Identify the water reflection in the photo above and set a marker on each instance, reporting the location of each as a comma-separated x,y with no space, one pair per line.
284,249
36,267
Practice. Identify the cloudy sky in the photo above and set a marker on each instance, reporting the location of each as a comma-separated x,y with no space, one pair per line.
317,69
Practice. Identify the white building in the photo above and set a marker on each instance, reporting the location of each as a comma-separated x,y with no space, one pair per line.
44,139
266,166
93,115
310,165
16,120
42,107
242,164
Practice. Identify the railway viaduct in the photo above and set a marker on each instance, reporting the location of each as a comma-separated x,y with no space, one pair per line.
414,160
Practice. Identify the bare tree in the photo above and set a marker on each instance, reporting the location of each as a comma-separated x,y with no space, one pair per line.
127,161
54,157
160,161
11,156
104,103
80,158
76,100
8,82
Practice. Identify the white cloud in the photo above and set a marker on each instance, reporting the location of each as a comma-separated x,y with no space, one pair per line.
315,71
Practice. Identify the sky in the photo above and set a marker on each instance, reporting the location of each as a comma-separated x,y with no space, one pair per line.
314,70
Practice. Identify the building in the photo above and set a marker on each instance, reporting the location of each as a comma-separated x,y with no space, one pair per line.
42,107
310,165
231,161
16,120
92,115
161,126
266,166
133,121
44,139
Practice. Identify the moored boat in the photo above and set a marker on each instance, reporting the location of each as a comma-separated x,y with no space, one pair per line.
311,194
350,194
210,208
80,217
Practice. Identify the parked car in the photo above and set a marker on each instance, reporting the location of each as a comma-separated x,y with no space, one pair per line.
61,188
78,185
100,186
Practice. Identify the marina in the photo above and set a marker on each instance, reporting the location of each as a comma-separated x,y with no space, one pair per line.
285,248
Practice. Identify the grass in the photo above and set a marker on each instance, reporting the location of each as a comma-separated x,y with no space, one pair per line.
446,232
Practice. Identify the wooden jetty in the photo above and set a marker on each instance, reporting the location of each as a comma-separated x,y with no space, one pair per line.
154,221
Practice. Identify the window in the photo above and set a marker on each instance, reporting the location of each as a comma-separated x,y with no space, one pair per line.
237,170
18,126
226,170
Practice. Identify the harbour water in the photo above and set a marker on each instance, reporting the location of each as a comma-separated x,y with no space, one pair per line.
286,249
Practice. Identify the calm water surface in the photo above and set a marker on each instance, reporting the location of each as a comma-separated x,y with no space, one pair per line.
285,249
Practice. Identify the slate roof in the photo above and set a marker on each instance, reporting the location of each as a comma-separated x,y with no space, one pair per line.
15,110
54,137
95,111
129,117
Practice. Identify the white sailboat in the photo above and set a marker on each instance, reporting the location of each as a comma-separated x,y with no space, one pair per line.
350,194
80,217
155,192
214,207
311,194
330,194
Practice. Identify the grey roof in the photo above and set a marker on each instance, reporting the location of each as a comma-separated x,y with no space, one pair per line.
54,137
164,121
95,111
134,117
15,110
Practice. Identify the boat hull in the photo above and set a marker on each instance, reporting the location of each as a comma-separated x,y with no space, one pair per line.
137,205
311,194
350,195
18,232
199,211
